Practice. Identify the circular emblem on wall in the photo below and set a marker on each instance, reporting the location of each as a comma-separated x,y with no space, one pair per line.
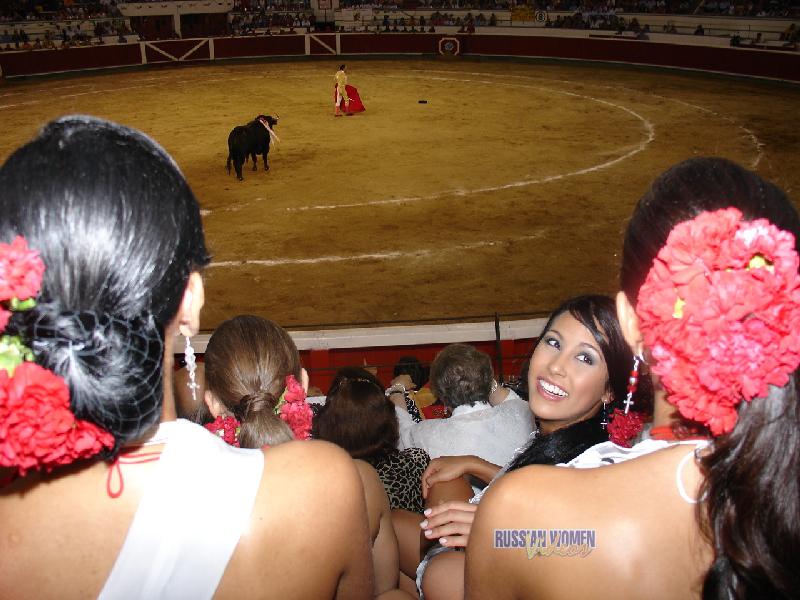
449,46
540,16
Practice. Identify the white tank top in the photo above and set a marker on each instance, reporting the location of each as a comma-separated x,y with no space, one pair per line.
190,518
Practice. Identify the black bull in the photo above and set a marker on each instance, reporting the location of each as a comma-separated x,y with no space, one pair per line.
250,140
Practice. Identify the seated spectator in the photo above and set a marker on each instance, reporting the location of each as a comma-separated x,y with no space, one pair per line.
412,377
251,364
174,499
576,380
462,378
708,238
358,417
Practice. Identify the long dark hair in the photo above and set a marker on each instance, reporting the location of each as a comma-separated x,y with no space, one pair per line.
119,232
246,363
598,314
751,477
358,416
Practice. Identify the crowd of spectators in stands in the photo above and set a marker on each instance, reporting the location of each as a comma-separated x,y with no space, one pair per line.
57,10
250,17
248,23
737,8
271,5
66,36
467,23
287,15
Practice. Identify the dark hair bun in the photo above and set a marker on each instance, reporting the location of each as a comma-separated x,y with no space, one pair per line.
112,365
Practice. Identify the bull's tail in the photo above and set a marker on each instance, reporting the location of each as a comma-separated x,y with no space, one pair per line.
228,165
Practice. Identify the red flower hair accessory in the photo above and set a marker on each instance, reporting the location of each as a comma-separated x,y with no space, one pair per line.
624,427
294,410
227,428
37,427
720,311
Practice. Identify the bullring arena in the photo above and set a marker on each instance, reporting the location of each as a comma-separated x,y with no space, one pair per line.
505,192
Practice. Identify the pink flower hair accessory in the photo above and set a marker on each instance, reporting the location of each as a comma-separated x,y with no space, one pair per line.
720,312
293,409
38,429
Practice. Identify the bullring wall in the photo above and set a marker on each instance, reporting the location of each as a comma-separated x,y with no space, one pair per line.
775,64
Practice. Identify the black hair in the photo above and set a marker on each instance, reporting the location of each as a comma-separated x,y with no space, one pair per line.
751,476
119,232
598,315
342,67
410,365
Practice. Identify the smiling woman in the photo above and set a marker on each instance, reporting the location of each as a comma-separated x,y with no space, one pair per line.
568,376
578,372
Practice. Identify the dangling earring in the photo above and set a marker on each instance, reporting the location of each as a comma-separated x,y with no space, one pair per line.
633,382
191,367
604,422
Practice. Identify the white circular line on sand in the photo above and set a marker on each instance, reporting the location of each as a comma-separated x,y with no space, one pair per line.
514,184
748,132
759,145
276,262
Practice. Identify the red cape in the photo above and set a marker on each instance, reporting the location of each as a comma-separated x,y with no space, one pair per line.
356,106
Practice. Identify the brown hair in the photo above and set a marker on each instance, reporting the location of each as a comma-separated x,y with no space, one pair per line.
246,362
358,416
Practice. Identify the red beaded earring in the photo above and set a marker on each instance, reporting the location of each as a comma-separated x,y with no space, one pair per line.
633,382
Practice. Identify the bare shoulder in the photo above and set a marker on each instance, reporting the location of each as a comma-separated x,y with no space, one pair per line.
314,479
309,513
624,510
310,465
369,476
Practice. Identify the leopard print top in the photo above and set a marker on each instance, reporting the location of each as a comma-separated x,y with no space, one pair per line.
401,474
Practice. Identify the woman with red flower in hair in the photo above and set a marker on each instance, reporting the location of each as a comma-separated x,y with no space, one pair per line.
710,301
254,398
103,488
253,392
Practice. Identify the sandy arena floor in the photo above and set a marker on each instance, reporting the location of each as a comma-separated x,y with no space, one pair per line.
507,192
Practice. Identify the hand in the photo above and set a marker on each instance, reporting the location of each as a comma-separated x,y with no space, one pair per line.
444,468
450,522
405,381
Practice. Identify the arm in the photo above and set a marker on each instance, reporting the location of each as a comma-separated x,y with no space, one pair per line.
406,426
385,554
448,468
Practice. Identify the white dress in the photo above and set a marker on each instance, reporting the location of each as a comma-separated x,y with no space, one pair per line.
190,518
